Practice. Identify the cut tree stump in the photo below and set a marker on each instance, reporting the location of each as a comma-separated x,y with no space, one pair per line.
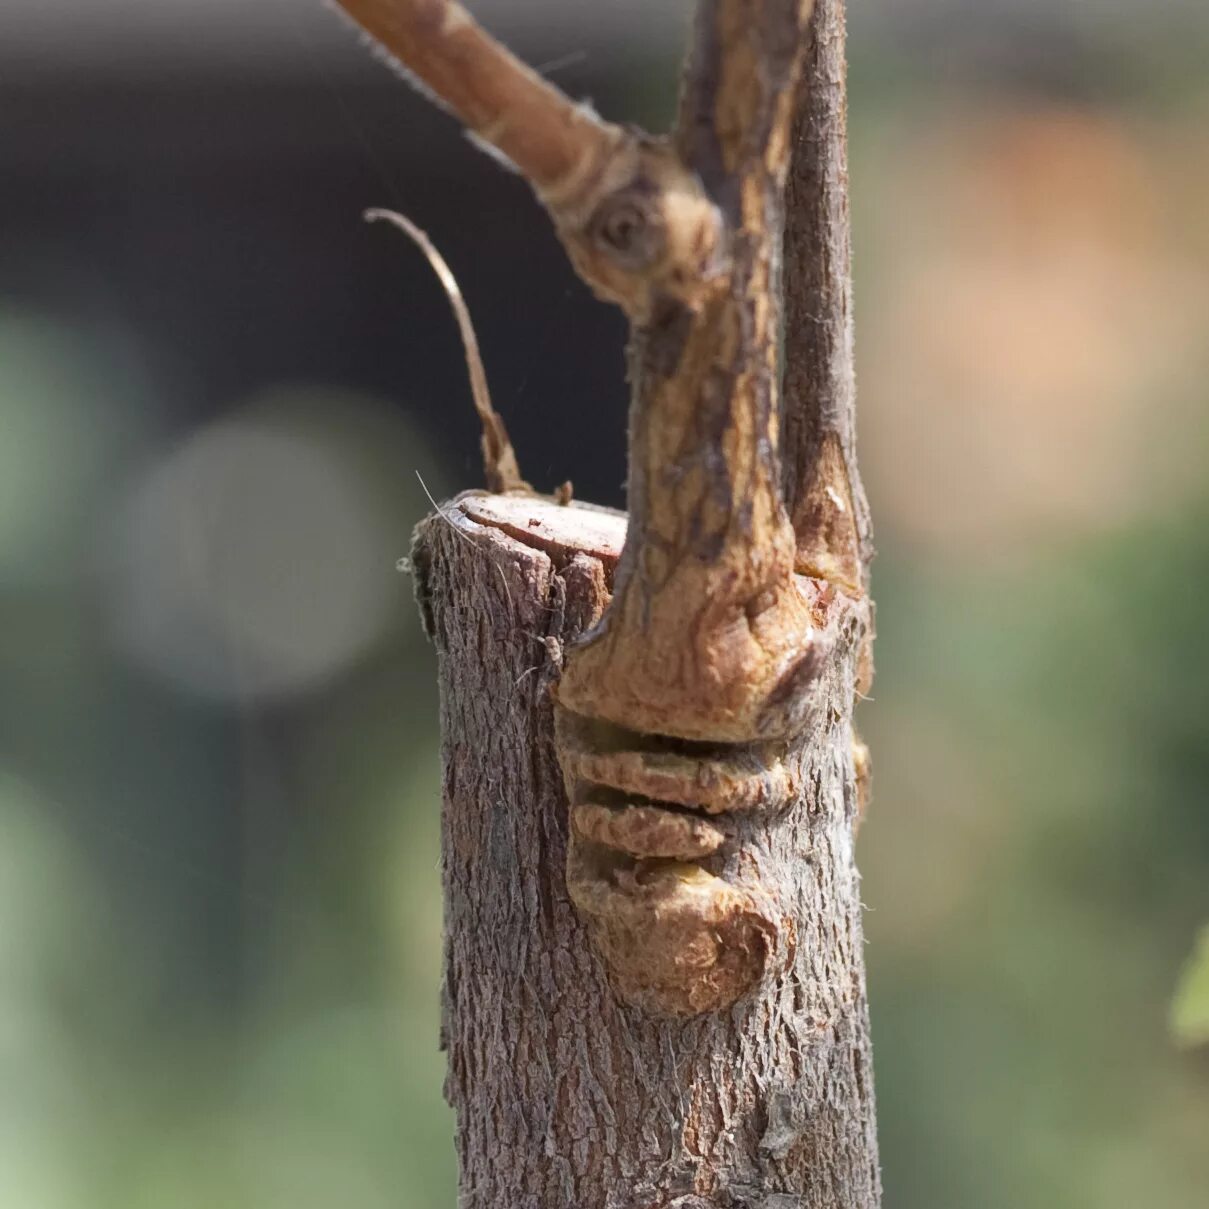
567,1096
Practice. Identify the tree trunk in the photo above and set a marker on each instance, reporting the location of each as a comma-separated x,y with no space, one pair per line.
654,992
566,1097
820,383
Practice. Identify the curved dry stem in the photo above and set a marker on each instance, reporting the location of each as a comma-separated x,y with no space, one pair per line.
499,458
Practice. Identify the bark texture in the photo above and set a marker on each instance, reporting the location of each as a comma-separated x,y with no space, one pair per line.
654,979
826,500
567,1097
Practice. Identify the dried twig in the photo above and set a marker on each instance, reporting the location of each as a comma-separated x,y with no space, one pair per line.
499,458
635,221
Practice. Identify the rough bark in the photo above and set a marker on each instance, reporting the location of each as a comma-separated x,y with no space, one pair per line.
654,980
566,1096
827,502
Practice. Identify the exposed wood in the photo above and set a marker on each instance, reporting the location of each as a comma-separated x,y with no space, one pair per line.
567,1097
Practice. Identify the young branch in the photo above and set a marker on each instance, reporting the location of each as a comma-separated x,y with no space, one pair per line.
500,468
636,225
708,637
445,53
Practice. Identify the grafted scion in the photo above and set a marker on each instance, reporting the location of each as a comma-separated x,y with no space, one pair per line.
656,852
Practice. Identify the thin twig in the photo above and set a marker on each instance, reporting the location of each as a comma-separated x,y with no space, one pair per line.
499,458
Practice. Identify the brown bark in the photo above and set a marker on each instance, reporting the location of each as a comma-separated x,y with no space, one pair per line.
654,972
499,458
568,1097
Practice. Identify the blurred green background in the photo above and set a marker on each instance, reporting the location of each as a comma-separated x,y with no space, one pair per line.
219,895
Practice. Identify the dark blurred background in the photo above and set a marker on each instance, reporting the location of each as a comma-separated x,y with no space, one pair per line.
222,400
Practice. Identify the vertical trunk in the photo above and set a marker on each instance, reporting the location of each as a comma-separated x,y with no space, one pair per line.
566,1097
654,979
